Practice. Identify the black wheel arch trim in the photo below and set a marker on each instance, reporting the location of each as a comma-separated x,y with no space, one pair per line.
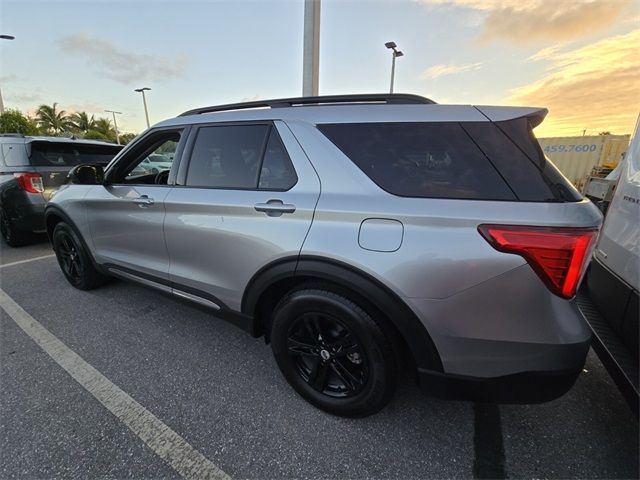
381,297
53,210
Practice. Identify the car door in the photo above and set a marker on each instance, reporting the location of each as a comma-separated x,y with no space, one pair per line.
246,199
126,214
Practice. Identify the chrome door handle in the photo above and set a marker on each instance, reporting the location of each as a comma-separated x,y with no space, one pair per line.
143,200
275,208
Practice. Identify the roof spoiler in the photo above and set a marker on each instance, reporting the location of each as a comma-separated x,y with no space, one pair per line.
501,114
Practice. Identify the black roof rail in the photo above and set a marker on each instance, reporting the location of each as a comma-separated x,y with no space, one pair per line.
392,98
20,135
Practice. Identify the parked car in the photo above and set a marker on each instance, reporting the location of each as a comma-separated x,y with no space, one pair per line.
156,162
31,168
613,281
359,235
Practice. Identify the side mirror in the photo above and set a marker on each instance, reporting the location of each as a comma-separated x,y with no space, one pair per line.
86,175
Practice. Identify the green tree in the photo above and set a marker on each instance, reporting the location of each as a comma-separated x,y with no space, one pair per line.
34,125
13,121
127,137
95,135
52,120
82,122
103,125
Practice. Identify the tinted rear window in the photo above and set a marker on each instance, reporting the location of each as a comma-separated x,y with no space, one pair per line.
70,154
521,133
515,152
431,160
227,156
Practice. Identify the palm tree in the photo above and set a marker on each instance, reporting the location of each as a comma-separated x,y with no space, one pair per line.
82,122
103,125
51,119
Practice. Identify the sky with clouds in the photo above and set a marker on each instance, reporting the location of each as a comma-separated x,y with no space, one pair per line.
578,58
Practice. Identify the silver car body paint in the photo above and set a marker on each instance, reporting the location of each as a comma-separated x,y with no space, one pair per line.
127,233
217,240
487,312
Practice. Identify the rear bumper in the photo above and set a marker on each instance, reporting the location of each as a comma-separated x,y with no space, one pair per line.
31,221
526,387
507,340
27,212
506,326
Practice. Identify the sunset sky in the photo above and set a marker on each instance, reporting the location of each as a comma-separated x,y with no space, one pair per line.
580,59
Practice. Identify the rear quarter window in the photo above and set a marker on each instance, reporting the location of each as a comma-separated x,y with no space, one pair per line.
14,154
515,152
429,160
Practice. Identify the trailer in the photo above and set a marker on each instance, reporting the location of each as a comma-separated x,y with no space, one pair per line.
579,158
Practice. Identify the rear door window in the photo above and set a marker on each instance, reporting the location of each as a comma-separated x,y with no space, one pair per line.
227,156
429,160
241,157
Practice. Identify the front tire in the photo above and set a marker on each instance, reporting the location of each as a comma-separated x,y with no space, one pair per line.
74,260
333,352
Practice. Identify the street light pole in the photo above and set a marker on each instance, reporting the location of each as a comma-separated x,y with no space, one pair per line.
393,72
4,37
144,100
115,124
394,54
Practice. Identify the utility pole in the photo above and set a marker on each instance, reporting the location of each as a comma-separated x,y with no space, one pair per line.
144,100
115,124
311,50
4,37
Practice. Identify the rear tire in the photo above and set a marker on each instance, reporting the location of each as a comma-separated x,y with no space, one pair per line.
74,260
333,352
10,234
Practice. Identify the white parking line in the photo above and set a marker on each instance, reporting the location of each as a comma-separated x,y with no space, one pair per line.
166,443
19,262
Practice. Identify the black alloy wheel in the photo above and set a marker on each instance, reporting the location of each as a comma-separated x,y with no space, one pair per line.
70,260
328,356
332,349
74,260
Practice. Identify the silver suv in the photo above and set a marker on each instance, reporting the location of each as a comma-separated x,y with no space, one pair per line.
360,235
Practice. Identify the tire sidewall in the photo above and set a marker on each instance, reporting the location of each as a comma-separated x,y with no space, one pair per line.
63,230
10,234
380,373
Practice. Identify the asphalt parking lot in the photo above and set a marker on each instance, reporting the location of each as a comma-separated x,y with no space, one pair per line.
220,391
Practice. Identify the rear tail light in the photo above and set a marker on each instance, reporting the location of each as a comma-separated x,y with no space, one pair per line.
558,255
31,182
